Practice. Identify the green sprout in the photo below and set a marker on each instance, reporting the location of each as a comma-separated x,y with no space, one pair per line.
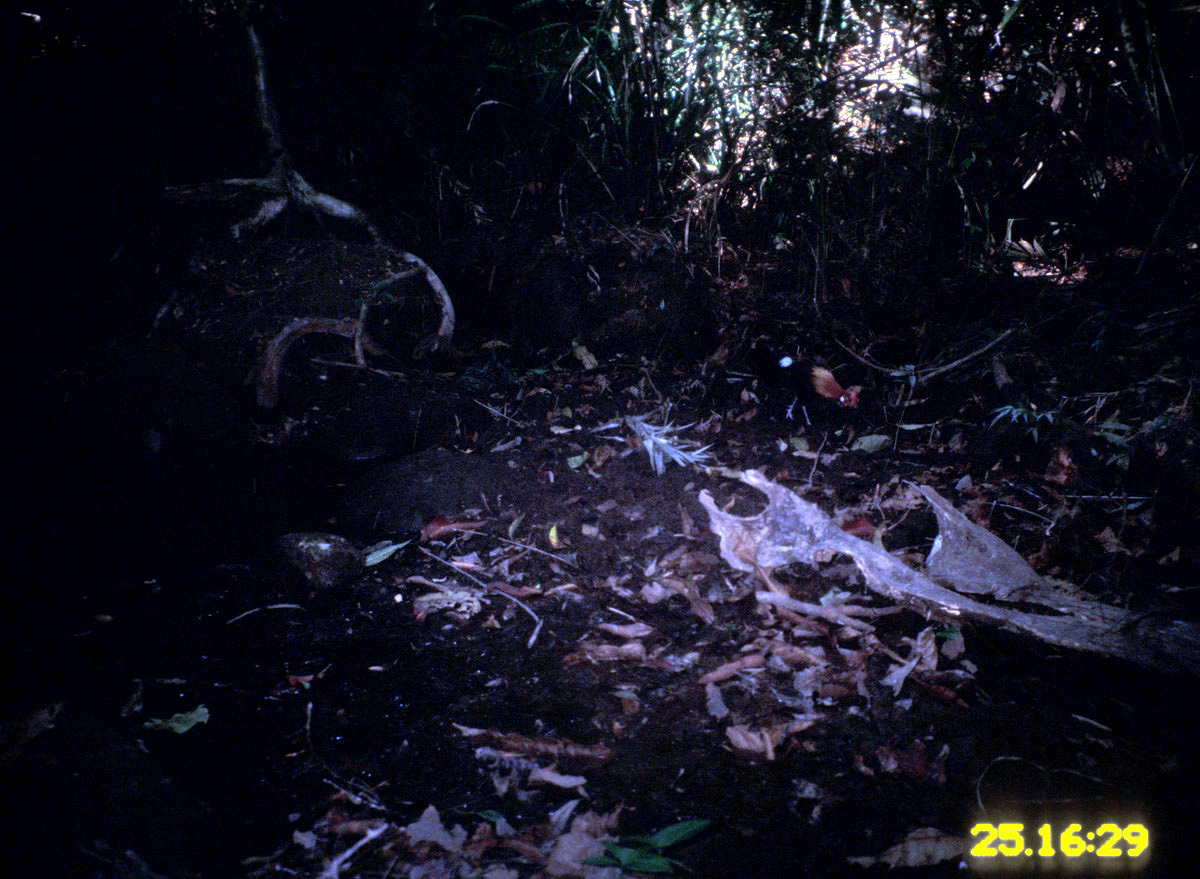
1026,414
644,854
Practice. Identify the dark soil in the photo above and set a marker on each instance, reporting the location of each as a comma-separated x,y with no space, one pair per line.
148,580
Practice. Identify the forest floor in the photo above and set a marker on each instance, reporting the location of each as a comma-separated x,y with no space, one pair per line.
557,663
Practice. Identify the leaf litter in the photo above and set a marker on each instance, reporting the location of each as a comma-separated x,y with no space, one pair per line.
674,665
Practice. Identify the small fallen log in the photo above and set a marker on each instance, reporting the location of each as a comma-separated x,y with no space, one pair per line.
966,558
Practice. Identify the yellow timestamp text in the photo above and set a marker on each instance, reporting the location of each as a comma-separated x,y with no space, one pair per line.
1108,841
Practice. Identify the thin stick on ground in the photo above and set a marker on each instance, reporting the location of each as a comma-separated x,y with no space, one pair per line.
518,543
333,871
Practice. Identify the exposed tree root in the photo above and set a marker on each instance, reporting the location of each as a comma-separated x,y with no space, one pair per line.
283,187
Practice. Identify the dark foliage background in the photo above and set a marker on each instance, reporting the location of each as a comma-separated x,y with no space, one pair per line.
752,119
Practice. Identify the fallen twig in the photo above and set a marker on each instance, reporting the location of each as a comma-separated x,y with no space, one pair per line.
527,546
265,607
335,866
918,376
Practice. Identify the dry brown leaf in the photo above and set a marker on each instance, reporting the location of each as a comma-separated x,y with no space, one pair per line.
603,454
441,526
1061,470
925,644
429,828
550,776
906,497
584,840
700,607
912,761
627,630
520,591
714,703
687,525
588,651
859,527
696,562
759,742
729,669
1111,543
530,747
764,741
897,674
923,847
795,655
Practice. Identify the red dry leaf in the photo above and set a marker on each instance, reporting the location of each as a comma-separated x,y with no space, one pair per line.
859,527
441,526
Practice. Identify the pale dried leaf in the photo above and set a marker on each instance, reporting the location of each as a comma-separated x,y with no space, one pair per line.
898,674
920,848
752,741
429,828
550,776
713,703
627,630
730,669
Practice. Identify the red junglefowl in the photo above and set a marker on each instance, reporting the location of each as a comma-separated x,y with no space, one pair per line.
827,386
